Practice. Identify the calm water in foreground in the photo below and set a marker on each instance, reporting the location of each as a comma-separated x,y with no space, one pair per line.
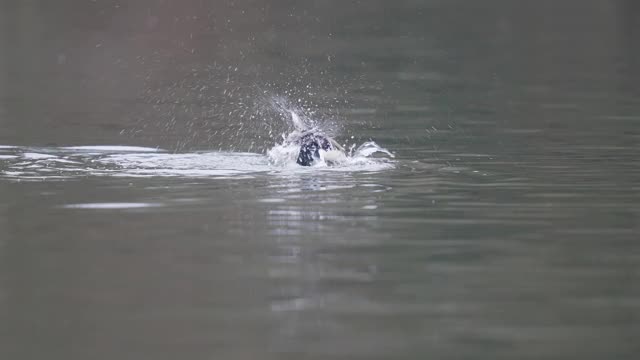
506,227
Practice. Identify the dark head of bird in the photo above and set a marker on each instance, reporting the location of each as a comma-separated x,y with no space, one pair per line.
310,145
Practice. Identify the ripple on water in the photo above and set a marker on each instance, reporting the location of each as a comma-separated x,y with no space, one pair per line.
111,206
61,163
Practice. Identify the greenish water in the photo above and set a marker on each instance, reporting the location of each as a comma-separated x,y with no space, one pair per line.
506,226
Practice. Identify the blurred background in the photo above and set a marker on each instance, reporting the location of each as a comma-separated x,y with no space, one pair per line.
167,73
507,229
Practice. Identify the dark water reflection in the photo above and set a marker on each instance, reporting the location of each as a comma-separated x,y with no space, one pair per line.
507,229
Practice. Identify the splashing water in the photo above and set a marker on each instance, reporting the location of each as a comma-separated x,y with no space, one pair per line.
37,164
285,153
28,163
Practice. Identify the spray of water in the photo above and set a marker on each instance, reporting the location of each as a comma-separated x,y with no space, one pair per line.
286,151
277,121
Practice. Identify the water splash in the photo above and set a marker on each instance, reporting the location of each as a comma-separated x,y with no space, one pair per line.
59,163
29,163
285,153
369,148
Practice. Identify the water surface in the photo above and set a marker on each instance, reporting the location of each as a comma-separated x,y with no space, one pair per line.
505,227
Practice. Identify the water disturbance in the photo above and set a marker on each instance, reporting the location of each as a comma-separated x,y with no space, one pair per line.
25,163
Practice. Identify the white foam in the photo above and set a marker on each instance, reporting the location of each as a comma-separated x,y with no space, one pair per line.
369,148
283,156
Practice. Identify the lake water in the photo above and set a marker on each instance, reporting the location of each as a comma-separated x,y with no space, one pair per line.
142,217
